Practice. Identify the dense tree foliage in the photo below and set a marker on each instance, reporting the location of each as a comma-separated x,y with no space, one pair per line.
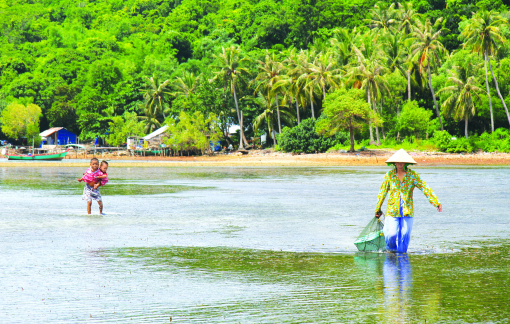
263,64
192,132
305,139
19,120
345,110
121,127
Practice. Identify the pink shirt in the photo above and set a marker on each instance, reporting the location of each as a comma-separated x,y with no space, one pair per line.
90,176
104,180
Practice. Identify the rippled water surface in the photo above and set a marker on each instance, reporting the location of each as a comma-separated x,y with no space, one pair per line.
249,245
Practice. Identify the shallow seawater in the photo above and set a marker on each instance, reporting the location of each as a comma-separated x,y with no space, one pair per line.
249,245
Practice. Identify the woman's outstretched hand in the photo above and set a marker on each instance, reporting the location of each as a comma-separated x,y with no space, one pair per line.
440,208
378,214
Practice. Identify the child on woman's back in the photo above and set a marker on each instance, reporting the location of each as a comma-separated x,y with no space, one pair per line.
94,177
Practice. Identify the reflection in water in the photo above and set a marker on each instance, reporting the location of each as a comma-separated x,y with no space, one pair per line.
398,281
370,263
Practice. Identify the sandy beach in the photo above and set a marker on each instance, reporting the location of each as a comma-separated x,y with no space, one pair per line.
270,158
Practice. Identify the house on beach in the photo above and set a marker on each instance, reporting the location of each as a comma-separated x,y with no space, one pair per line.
156,137
57,136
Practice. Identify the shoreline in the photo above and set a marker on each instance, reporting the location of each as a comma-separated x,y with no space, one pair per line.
266,158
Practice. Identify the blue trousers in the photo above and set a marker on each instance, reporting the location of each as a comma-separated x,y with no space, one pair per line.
397,232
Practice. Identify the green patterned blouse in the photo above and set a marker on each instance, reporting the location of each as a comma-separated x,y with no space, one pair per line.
403,189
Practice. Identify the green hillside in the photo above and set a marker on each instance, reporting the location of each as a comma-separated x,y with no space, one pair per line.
85,62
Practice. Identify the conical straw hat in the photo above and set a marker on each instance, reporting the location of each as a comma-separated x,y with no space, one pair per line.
401,156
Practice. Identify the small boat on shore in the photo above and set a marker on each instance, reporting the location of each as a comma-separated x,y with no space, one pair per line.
44,156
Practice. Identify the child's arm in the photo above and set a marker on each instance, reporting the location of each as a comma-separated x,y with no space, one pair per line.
101,180
104,181
81,179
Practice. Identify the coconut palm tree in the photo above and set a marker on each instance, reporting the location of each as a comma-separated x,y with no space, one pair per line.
227,70
399,55
464,95
406,17
186,85
408,64
303,71
270,72
368,44
427,50
324,73
342,43
483,35
394,47
292,82
382,17
154,95
318,72
269,115
367,74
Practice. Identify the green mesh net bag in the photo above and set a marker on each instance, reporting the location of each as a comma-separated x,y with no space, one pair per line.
371,238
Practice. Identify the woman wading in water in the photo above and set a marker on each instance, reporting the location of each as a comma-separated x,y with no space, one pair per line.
400,183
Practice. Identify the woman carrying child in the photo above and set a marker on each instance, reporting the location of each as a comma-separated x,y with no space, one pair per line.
94,177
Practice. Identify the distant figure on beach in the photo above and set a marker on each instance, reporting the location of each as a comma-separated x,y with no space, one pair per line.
94,177
400,183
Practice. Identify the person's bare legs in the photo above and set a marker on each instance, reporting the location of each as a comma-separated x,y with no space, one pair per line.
89,206
100,203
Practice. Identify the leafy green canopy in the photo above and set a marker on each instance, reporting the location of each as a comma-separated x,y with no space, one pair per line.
121,127
84,63
345,110
193,132
19,120
413,120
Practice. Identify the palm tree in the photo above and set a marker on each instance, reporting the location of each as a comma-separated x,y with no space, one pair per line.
409,69
406,17
368,44
464,95
228,71
186,85
154,96
426,50
270,72
317,72
324,73
483,35
269,115
367,74
294,85
395,50
303,71
382,17
342,43
394,47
